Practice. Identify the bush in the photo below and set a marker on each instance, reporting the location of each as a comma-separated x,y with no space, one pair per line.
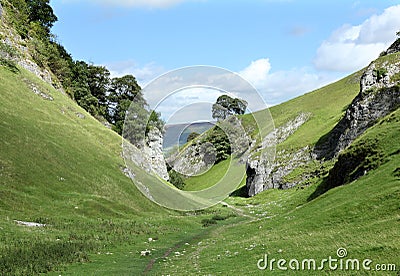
7,54
192,136
221,143
208,222
219,217
176,179
380,73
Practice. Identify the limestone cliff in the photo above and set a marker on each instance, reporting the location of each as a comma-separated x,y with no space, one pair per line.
264,174
154,153
379,95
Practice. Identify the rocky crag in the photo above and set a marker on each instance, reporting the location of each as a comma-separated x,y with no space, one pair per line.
263,174
149,156
153,152
379,96
22,55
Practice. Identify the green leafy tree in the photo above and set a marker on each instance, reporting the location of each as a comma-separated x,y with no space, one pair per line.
220,142
60,63
176,179
125,93
19,10
131,124
41,11
125,88
226,106
155,121
99,82
81,89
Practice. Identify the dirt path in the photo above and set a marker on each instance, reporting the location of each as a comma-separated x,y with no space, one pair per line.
199,236
174,248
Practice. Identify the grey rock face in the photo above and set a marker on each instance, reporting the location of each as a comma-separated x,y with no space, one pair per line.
263,173
35,69
379,95
38,92
395,47
154,153
25,59
148,157
195,159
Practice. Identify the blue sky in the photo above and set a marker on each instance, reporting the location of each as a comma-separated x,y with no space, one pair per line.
283,47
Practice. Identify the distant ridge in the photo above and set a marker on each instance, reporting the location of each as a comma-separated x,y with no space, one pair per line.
177,134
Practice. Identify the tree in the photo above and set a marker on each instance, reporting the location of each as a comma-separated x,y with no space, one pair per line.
99,82
130,118
125,88
123,91
41,11
155,121
226,106
81,90
221,143
176,179
398,33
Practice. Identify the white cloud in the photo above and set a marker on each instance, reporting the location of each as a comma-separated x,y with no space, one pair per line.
256,72
143,74
188,105
352,47
280,86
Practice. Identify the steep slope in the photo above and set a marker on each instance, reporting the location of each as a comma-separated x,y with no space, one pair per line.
63,194
300,123
53,150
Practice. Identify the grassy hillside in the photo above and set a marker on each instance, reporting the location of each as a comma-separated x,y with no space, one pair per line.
362,217
61,167
56,158
326,106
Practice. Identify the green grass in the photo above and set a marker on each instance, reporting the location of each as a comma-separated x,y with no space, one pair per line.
208,179
363,217
64,171
55,159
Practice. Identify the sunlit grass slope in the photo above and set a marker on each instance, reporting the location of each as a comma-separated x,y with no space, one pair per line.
61,167
53,161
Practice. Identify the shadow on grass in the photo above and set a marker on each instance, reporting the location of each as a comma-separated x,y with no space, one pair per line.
321,189
240,192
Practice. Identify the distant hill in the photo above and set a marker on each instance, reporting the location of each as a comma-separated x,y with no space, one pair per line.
177,134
